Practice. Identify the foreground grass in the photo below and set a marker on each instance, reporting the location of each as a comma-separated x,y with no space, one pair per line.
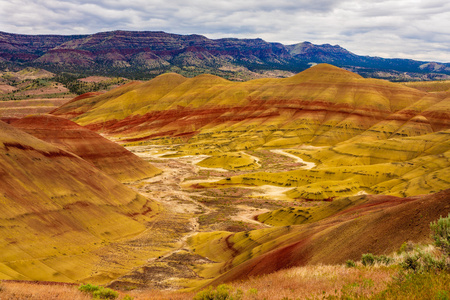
309,282
296,283
418,286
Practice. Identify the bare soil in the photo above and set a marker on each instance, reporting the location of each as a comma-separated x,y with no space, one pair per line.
186,212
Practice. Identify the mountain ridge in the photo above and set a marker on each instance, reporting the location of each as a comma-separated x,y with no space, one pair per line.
145,54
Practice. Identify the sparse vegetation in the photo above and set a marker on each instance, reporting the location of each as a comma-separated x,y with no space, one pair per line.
441,234
77,86
222,292
88,288
427,285
99,292
350,263
383,259
368,259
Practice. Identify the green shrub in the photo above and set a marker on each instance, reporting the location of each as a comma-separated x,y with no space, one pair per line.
253,292
99,292
429,263
350,264
105,293
441,234
88,288
411,263
423,262
368,259
442,295
406,247
383,259
223,292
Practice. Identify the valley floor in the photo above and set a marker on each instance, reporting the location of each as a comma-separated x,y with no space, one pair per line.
187,211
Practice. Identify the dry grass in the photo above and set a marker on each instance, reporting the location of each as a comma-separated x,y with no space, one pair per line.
161,295
316,282
307,282
40,291
296,283
12,290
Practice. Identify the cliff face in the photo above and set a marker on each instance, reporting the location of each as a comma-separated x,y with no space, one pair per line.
136,53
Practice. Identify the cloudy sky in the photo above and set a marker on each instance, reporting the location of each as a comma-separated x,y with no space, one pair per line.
417,29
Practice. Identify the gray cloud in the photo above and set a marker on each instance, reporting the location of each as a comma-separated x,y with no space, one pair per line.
415,29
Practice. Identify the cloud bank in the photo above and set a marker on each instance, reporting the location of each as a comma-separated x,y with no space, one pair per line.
416,29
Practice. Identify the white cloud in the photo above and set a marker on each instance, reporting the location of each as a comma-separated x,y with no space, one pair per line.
415,29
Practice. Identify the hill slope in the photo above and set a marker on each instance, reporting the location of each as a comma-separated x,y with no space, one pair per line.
359,136
107,156
59,212
323,105
368,224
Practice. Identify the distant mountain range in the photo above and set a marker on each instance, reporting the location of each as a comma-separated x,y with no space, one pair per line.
141,55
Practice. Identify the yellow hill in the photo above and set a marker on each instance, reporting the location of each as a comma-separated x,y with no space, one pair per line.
59,213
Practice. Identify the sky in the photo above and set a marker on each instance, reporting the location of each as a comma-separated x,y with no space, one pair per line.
416,29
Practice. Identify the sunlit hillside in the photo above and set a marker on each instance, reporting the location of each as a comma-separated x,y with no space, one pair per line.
61,216
107,156
370,135
225,181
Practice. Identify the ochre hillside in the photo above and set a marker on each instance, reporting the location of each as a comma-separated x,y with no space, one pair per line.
323,105
329,235
369,135
60,214
112,159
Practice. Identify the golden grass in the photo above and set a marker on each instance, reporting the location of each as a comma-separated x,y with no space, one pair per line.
40,291
295,283
314,282
306,282
14,290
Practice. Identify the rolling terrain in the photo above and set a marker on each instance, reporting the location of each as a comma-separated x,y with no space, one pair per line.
345,119
246,178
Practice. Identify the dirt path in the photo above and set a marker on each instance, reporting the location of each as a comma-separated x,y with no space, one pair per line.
248,214
271,192
308,165
256,160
